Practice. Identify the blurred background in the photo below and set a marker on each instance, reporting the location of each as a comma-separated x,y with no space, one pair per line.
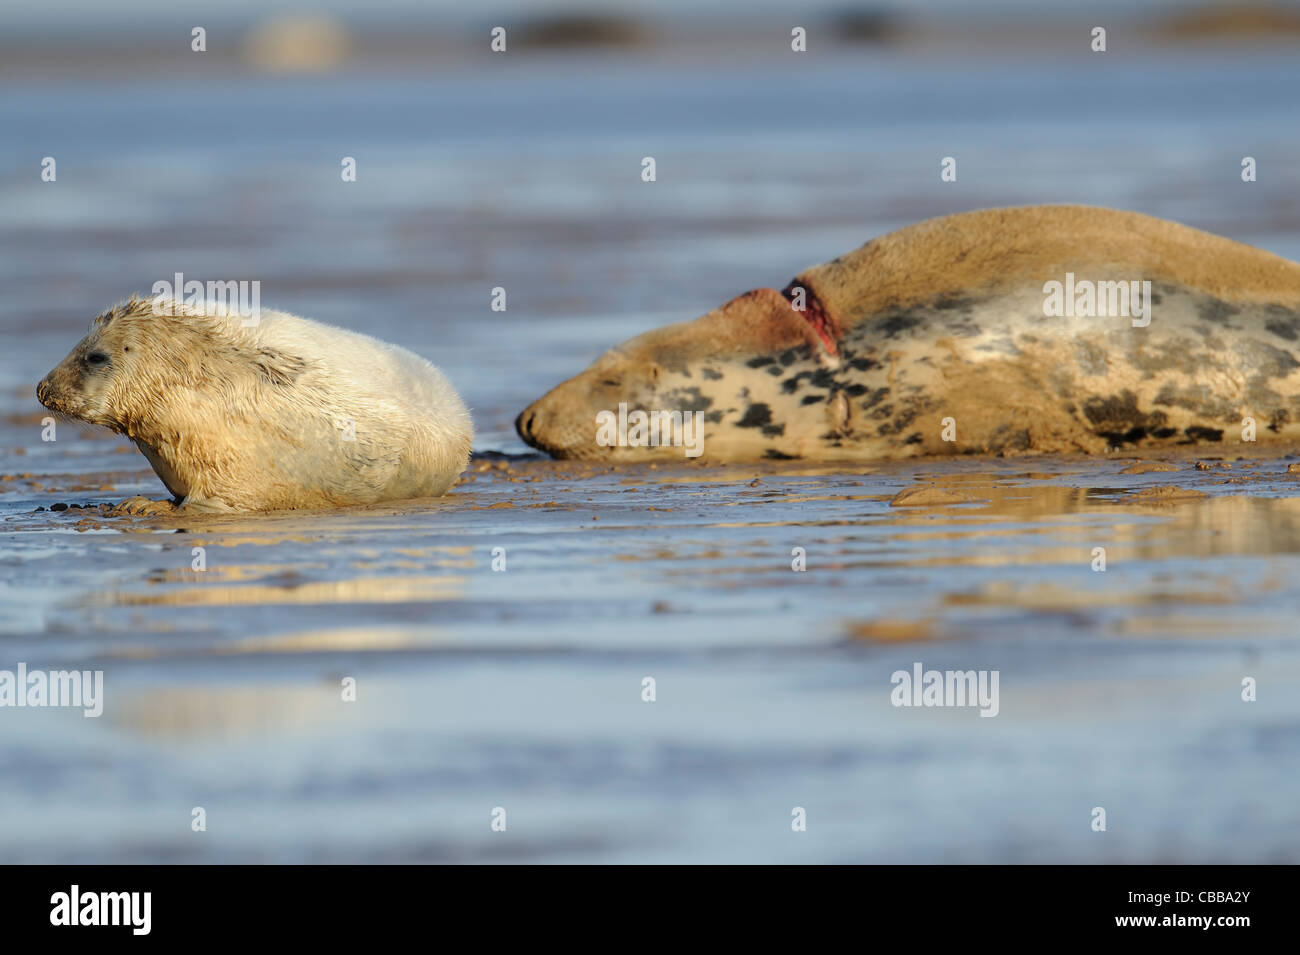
522,170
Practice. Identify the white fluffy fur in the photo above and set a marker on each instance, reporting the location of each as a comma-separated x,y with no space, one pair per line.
259,417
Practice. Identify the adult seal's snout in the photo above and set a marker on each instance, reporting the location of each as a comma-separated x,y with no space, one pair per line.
524,425
1039,328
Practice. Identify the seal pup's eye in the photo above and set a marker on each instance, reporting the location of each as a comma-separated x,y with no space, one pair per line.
96,358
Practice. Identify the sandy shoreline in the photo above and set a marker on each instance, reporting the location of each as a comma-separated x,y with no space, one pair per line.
522,684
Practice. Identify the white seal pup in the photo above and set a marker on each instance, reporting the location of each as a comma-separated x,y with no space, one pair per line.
1039,328
281,412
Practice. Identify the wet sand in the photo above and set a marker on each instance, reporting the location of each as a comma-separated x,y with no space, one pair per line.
521,687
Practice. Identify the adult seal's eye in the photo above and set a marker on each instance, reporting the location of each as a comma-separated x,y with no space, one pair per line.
96,358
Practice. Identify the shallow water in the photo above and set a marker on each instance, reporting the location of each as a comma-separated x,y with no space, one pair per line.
521,688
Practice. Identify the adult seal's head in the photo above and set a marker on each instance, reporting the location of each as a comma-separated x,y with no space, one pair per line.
683,369
261,412
1040,328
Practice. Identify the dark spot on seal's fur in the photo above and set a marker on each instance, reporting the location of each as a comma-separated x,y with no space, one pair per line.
1116,409
951,300
894,325
877,396
1007,440
1197,433
756,416
1131,436
712,374
772,454
863,364
914,438
1283,328
690,399
713,417
760,361
1216,311
776,371
812,399
901,423
773,430
853,391
963,327
1119,420
1198,399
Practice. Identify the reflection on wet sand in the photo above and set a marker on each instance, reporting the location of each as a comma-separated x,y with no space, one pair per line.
1056,598
370,639
359,590
684,567
225,711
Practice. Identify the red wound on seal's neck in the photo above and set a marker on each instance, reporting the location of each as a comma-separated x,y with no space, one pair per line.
814,313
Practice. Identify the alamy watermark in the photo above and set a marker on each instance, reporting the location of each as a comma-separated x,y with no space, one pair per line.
1107,299
75,907
240,298
654,429
923,687
71,688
